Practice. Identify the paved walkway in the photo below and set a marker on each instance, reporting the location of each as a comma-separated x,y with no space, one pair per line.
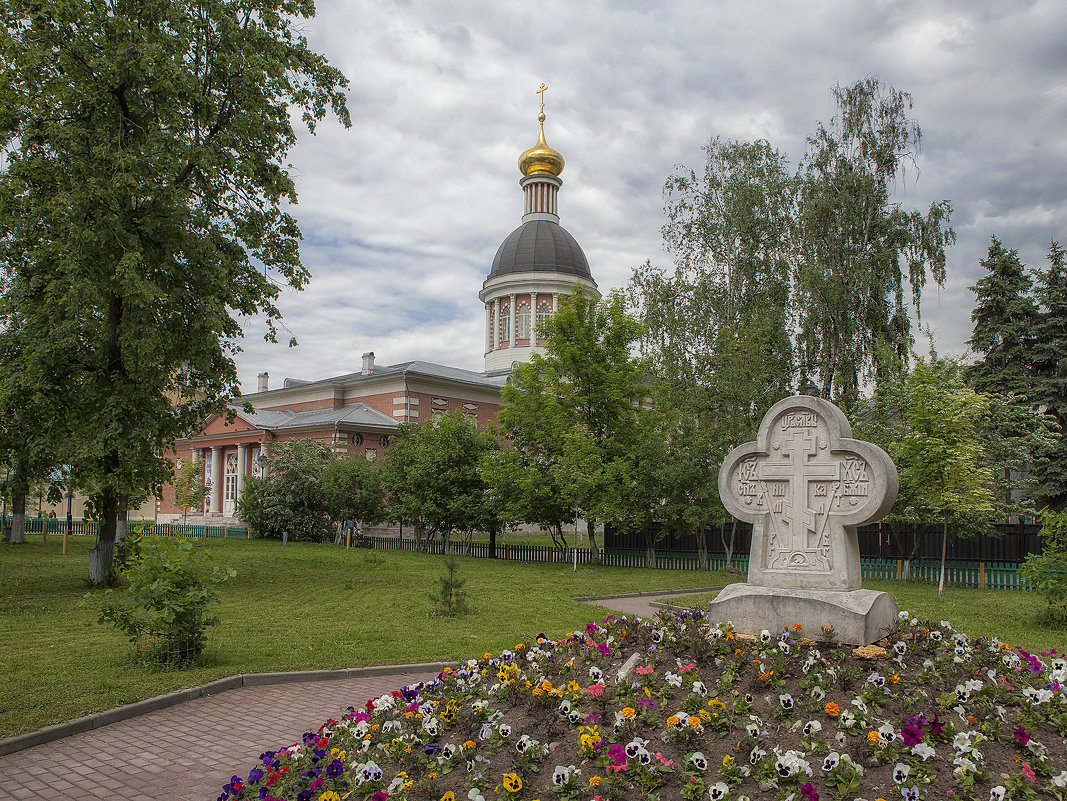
187,752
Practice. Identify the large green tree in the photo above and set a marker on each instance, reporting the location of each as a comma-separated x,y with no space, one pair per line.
730,230
290,501
352,487
435,480
943,469
717,328
142,209
862,253
1005,318
571,414
1049,377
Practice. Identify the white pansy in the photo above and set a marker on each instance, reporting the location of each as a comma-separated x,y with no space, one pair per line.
718,791
923,751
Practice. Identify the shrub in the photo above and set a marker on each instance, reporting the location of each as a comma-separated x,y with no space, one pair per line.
1047,571
164,608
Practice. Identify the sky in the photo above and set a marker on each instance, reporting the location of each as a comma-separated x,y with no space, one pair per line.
403,212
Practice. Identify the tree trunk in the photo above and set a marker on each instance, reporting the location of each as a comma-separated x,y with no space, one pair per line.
18,519
916,552
102,556
944,550
492,542
729,546
590,530
702,547
650,547
100,560
121,520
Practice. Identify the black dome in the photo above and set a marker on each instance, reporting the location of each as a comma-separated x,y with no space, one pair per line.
540,245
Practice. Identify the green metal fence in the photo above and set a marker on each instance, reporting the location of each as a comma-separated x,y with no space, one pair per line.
41,525
986,575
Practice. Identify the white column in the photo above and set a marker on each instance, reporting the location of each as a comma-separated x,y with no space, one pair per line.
496,323
488,326
533,318
242,462
203,455
555,301
216,481
513,323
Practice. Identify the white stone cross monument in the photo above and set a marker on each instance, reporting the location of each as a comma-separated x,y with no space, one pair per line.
805,485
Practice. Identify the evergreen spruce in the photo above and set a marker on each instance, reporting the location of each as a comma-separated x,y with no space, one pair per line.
1005,316
451,599
1050,375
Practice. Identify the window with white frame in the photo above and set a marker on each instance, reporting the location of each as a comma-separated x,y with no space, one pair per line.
505,324
544,311
522,318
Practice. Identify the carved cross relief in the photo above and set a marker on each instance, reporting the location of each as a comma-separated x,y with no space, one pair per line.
805,485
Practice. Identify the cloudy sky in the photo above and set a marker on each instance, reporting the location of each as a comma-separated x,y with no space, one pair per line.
403,212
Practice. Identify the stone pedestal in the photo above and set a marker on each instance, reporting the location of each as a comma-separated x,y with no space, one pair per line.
805,485
858,617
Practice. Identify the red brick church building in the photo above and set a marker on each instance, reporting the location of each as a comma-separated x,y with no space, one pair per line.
357,413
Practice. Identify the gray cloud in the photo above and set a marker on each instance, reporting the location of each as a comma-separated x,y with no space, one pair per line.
402,213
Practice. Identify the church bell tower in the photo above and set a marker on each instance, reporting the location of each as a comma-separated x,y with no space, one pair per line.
536,264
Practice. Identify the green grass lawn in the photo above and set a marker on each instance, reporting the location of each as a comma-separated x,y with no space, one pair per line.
306,607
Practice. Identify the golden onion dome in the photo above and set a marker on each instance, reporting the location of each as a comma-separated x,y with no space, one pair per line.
541,158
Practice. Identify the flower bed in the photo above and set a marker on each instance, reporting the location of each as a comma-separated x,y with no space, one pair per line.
678,708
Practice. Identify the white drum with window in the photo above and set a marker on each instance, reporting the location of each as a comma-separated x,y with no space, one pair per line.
229,486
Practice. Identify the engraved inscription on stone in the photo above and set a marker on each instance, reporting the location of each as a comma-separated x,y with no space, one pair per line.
797,485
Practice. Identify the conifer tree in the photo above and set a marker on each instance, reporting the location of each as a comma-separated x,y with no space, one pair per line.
1004,318
1050,375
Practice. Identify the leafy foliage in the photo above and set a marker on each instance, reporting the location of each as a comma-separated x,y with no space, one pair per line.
572,413
189,487
939,455
169,593
434,477
857,245
1047,571
290,500
352,490
142,210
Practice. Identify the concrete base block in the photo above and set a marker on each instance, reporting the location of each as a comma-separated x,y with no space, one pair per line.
859,617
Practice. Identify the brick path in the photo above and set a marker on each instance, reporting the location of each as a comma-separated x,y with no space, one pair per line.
188,751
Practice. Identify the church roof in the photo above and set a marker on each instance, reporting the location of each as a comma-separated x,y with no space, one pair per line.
415,367
540,245
358,414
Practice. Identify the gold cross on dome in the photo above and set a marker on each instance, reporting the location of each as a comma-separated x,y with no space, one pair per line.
541,91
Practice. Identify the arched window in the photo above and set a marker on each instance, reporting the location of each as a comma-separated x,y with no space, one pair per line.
544,311
505,324
522,317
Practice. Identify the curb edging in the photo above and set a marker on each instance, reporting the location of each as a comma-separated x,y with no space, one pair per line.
19,742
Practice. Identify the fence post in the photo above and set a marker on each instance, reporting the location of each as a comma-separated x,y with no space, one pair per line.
981,575
900,569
